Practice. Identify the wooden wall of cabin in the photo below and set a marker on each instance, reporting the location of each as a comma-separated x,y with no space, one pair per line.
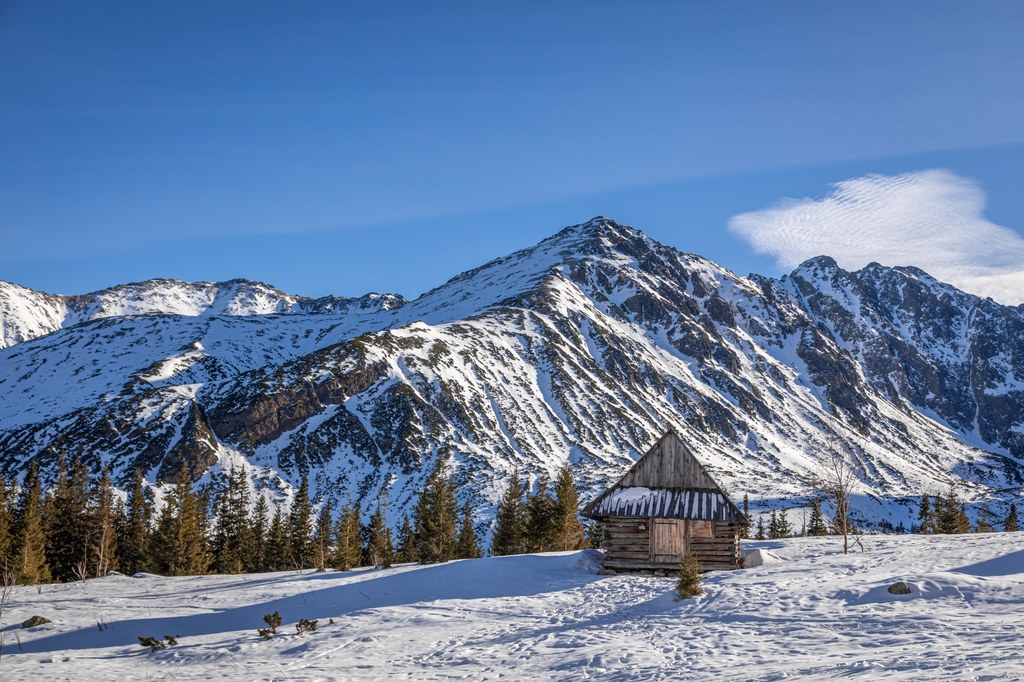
627,540
631,541
719,549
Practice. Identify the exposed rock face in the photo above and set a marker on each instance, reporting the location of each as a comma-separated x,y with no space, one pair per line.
585,347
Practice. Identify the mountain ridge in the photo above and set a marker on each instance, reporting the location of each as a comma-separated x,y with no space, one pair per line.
581,348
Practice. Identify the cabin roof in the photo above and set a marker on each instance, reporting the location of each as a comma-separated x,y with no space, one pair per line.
667,482
666,503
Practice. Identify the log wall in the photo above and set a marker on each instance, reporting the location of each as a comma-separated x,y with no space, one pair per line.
628,545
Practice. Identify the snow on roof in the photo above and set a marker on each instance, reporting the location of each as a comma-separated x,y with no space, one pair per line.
665,503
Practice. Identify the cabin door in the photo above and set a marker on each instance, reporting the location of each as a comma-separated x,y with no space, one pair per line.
669,541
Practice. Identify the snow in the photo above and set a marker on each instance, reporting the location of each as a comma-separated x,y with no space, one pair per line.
808,612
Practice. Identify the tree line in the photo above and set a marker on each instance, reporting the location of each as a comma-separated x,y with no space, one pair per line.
947,515
80,528
938,514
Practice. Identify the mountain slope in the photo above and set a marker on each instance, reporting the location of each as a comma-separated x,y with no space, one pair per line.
26,314
584,348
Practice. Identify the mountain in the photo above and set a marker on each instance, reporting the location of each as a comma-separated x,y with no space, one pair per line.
26,314
583,348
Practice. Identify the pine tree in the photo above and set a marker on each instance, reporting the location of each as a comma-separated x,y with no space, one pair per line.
984,522
785,530
1010,524
134,533
259,521
773,526
67,522
745,526
925,517
435,517
689,583
405,548
568,532
103,524
233,537
951,516
300,527
540,510
348,547
322,536
6,524
30,533
378,546
760,528
510,526
595,535
467,546
817,526
277,551
181,531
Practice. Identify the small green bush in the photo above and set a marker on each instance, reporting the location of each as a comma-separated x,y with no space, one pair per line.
689,578
156,644
273,621
304,626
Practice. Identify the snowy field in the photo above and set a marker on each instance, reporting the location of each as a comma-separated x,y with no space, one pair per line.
807,612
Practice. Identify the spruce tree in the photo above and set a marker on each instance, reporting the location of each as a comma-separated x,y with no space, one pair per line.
540,512
6,524
467,546
925,517
510,524
435,517
300,527
67,522
773,526
348,546
1010,524
278,552
984,522
816,526
951,516
233,536
745,526
405,547
322,536
259,521
689,582
595,534
785,530
134,533
760,528
30,533
103,523
378,546
181,531
568,532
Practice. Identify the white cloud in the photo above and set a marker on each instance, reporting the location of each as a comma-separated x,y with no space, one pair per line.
930,219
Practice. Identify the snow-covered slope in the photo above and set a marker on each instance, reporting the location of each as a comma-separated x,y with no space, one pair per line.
26,314
584,348
807,613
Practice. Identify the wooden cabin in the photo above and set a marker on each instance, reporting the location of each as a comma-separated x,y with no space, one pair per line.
663,508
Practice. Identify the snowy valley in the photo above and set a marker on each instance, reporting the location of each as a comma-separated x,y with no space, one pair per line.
808,612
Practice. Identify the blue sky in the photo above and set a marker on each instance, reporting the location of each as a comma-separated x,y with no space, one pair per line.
342,148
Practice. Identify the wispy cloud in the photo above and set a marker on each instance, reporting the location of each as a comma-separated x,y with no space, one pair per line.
931,219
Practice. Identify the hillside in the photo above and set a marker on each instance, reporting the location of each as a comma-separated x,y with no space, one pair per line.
807,613
585,348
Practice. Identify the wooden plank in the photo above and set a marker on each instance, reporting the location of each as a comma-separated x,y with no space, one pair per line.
668,544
